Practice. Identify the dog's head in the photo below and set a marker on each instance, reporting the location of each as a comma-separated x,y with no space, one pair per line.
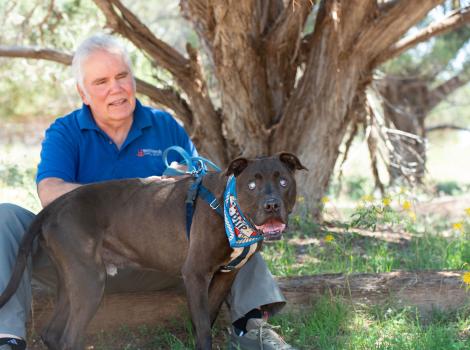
266,190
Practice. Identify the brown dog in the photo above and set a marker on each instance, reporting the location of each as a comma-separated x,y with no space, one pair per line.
136,223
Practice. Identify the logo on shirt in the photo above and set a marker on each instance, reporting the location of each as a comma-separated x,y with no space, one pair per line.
149,152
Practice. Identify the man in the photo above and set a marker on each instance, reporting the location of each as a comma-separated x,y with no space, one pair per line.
113,136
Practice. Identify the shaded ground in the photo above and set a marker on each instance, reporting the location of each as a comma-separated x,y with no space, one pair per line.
448,207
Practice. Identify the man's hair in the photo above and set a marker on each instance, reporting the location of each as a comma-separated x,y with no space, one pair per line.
97,42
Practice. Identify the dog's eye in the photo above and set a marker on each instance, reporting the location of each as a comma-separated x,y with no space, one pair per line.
252,185
283,182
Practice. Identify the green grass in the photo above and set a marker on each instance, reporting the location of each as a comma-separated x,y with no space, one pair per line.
354,253
333,324
329,324
429,244
181,337
17,176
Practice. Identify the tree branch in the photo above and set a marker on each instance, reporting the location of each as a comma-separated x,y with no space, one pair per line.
451,22
270,11
441,92
447,126
285,32
201,15
35,53
351,18
390,25
283,47
167,97
128,25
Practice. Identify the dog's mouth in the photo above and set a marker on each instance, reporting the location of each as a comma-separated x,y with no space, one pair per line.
272,229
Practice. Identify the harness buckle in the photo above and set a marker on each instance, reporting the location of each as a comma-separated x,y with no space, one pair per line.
216,204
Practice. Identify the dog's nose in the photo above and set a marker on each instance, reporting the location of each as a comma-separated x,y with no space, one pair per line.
271,205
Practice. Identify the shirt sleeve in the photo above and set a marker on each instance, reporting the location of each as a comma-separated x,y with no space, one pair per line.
59,154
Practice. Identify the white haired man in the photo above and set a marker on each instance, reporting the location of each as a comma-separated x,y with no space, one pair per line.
114,136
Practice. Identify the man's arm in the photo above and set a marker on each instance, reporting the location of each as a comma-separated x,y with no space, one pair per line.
53,187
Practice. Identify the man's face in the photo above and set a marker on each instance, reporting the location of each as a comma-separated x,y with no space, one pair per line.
109,88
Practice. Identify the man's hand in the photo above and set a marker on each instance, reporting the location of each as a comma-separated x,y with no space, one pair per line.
178,166
166,178
53,187
151,179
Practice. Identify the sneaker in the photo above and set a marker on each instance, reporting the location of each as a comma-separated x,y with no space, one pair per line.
259,336
12,344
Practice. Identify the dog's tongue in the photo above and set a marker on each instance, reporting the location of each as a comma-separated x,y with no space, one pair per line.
271,227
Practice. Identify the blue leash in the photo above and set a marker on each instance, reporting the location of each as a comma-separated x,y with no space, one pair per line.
197,167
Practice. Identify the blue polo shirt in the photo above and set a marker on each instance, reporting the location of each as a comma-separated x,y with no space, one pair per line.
76,150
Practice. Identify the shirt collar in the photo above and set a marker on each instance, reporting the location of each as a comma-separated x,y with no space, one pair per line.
85,119
142,118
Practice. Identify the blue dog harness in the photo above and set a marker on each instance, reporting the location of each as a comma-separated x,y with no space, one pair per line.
241,234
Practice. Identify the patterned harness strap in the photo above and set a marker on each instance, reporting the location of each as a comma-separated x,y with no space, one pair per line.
243,237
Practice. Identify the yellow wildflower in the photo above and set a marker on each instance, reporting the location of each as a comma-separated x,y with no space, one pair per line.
325,200
367,198
329,238
458,226
386,201
402,190
300,199
406,205
466,278
412,215
467,211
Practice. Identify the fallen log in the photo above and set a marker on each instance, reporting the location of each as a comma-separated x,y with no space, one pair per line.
426,290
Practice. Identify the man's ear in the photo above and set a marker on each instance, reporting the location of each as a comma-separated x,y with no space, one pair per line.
82,94
291,160
237,166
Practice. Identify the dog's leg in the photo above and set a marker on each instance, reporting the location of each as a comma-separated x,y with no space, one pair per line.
197,290
52,333
218,290
85,290
82,278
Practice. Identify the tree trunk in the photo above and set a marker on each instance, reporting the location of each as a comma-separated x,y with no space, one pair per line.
407,103
426,290
405,108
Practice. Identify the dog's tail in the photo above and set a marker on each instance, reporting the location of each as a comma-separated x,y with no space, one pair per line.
24,251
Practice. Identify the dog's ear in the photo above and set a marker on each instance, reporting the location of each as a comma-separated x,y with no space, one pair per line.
291,160
237,166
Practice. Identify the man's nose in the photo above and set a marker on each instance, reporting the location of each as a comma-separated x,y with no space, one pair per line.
115,85
271,205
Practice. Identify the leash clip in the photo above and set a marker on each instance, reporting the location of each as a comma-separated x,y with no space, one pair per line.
196,172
